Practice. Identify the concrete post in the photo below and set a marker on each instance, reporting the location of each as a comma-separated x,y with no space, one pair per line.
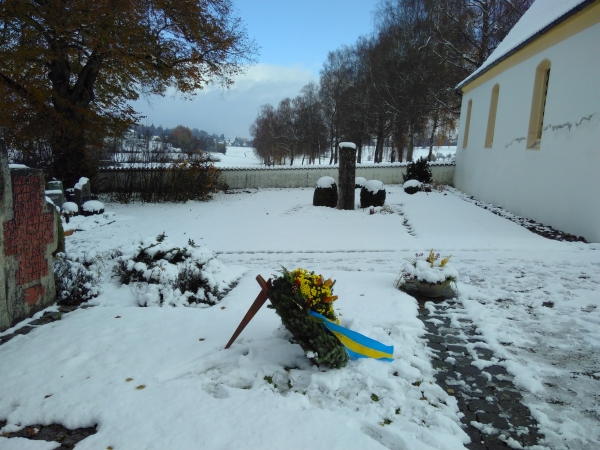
346,177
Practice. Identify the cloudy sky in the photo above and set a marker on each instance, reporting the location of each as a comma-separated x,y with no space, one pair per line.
294,38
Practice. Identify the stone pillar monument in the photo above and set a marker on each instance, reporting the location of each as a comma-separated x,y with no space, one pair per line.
347,175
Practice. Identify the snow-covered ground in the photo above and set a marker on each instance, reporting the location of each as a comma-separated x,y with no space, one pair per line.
244,156
160,378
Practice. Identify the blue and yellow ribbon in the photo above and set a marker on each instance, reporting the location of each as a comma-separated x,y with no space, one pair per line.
357,345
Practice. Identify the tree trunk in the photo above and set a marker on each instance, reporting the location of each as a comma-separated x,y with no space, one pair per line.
346,178
71,103
359,153
379,147
432,136
411,144
331,157
71,160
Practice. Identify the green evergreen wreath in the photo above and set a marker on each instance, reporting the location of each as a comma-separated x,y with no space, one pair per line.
292,306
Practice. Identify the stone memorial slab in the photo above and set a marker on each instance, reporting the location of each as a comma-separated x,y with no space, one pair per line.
57,197
55,185
82,190
27,239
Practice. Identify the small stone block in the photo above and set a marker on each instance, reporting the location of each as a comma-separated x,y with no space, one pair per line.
493,420
469,416
462,361
434,338
469,370
6,338
431,328
482,405
481,391
453,339
67,308
442,365
484,353
436,346
457,349
502,384
496,370
24,330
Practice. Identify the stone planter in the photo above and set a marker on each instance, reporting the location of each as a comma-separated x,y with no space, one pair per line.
433,290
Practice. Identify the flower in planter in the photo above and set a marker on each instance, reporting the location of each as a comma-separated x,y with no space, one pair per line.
428,274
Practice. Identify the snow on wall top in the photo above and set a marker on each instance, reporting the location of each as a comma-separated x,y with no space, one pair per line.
541,16
278,168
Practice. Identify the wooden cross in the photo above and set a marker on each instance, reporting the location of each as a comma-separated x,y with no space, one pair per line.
256,305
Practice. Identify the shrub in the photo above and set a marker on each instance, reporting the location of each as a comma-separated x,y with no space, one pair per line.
359,182
419,171
69,209
163,274
154,183
92,207
326,193
372,194
412,186
75,283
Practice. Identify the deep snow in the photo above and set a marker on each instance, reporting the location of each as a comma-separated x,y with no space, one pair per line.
534,300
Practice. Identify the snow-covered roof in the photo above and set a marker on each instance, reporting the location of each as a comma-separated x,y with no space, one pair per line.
542,16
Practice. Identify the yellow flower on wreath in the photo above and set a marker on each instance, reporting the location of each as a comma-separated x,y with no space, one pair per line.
316,291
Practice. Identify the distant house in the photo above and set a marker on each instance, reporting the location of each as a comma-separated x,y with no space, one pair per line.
529,137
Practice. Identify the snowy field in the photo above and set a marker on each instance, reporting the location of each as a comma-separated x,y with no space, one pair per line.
159,377
244,156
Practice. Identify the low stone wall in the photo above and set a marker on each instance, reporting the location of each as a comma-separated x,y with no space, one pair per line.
303,176
27,239
295,177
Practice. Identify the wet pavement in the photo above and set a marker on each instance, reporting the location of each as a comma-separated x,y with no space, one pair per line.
494,415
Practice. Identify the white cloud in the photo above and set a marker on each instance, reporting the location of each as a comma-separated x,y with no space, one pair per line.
231,111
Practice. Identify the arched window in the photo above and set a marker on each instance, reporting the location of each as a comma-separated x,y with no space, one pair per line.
491,125
538,105
467,124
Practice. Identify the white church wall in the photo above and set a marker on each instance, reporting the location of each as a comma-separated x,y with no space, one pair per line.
559,184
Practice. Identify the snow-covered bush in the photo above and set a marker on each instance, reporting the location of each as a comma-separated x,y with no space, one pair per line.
418,170
359,182
92,207
165,275
75,282
412,186
326,193
70,208
372,194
